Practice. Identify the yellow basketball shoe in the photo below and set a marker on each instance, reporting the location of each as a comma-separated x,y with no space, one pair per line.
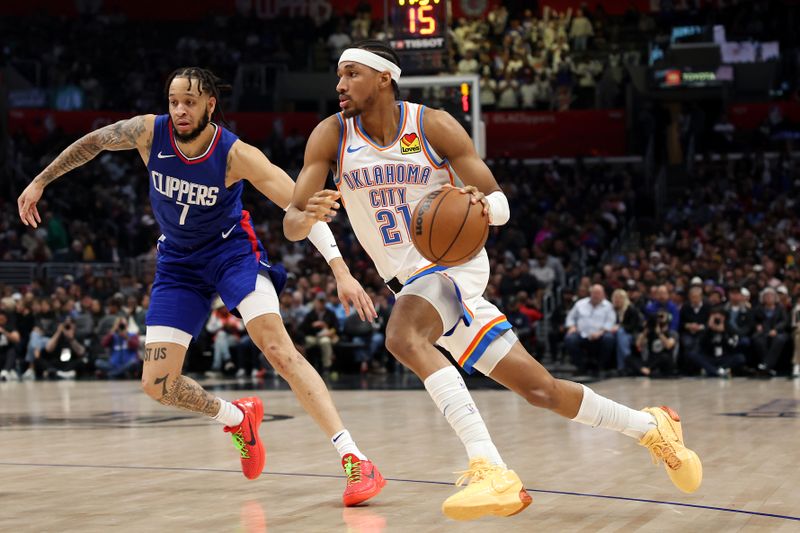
665,442
492,490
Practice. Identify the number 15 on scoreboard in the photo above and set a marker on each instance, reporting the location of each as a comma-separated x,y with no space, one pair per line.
421,17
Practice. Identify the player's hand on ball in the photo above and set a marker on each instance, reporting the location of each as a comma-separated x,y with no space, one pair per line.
477,196
323,205
27,204
351,293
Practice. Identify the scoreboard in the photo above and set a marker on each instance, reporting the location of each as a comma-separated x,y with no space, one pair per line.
419,34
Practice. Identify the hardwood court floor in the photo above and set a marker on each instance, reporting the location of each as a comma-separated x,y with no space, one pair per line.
100,456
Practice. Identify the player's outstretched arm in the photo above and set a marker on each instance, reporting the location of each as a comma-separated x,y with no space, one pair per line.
136,132
246,162
451,141
273,182
310,202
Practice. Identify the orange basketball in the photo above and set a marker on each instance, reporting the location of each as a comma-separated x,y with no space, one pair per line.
447,228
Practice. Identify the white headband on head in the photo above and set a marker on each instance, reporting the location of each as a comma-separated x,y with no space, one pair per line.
365,57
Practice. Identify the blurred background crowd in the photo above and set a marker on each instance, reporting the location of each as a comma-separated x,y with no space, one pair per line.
608,267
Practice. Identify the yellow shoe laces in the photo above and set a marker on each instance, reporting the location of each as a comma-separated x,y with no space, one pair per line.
478,469
661,449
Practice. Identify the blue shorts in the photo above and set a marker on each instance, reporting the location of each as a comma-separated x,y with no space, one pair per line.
186,280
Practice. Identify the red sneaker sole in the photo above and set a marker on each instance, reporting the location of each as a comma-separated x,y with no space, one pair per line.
364,496
671,413
525,499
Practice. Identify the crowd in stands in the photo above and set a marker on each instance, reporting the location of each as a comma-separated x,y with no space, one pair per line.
656,293
527,58
711,286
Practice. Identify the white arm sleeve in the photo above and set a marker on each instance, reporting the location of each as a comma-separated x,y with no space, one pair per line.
322,239
499,212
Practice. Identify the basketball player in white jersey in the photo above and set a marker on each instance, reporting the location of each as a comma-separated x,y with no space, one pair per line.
386,155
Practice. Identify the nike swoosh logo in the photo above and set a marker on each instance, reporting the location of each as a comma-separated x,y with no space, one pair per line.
226,233
371,474
263,263
334,245
351,150
165,156
337,437
252,435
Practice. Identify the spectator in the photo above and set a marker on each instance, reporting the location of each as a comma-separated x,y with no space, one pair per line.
337,308
497,18
357,335
339,40
226,332
528,91
715,297
44,327
770,336
62,355
662,302
542,269
113,312
488,87
84,322
469,64
580,31
530,307
507,90
383,308
9,340
319,329
740,320
122,342
627,327
589,329
718,356
135,314
657,345
521,323
693,319
518,279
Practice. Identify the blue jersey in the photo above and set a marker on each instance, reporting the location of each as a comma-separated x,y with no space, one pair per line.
188,195
209,244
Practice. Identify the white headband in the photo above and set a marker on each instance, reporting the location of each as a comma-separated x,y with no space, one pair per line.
365,57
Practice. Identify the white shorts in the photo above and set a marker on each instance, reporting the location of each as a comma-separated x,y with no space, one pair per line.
472,324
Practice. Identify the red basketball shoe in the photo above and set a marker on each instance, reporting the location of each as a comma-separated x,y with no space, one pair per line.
363,480
245,436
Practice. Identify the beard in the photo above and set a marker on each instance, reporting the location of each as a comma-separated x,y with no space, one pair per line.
195,133
351,112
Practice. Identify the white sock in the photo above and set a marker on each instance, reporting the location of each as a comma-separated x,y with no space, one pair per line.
345,444
455,402
228,414
599,411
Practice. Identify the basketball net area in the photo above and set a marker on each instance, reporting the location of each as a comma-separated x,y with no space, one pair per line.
458,94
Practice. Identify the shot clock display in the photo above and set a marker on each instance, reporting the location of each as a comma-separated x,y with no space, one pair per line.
419,34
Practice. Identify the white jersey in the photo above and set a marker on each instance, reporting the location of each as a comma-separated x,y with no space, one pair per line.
381,186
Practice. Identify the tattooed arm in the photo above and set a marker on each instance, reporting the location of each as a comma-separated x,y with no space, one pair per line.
136,132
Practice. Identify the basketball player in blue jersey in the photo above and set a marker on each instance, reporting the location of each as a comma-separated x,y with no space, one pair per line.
208,246
386,156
